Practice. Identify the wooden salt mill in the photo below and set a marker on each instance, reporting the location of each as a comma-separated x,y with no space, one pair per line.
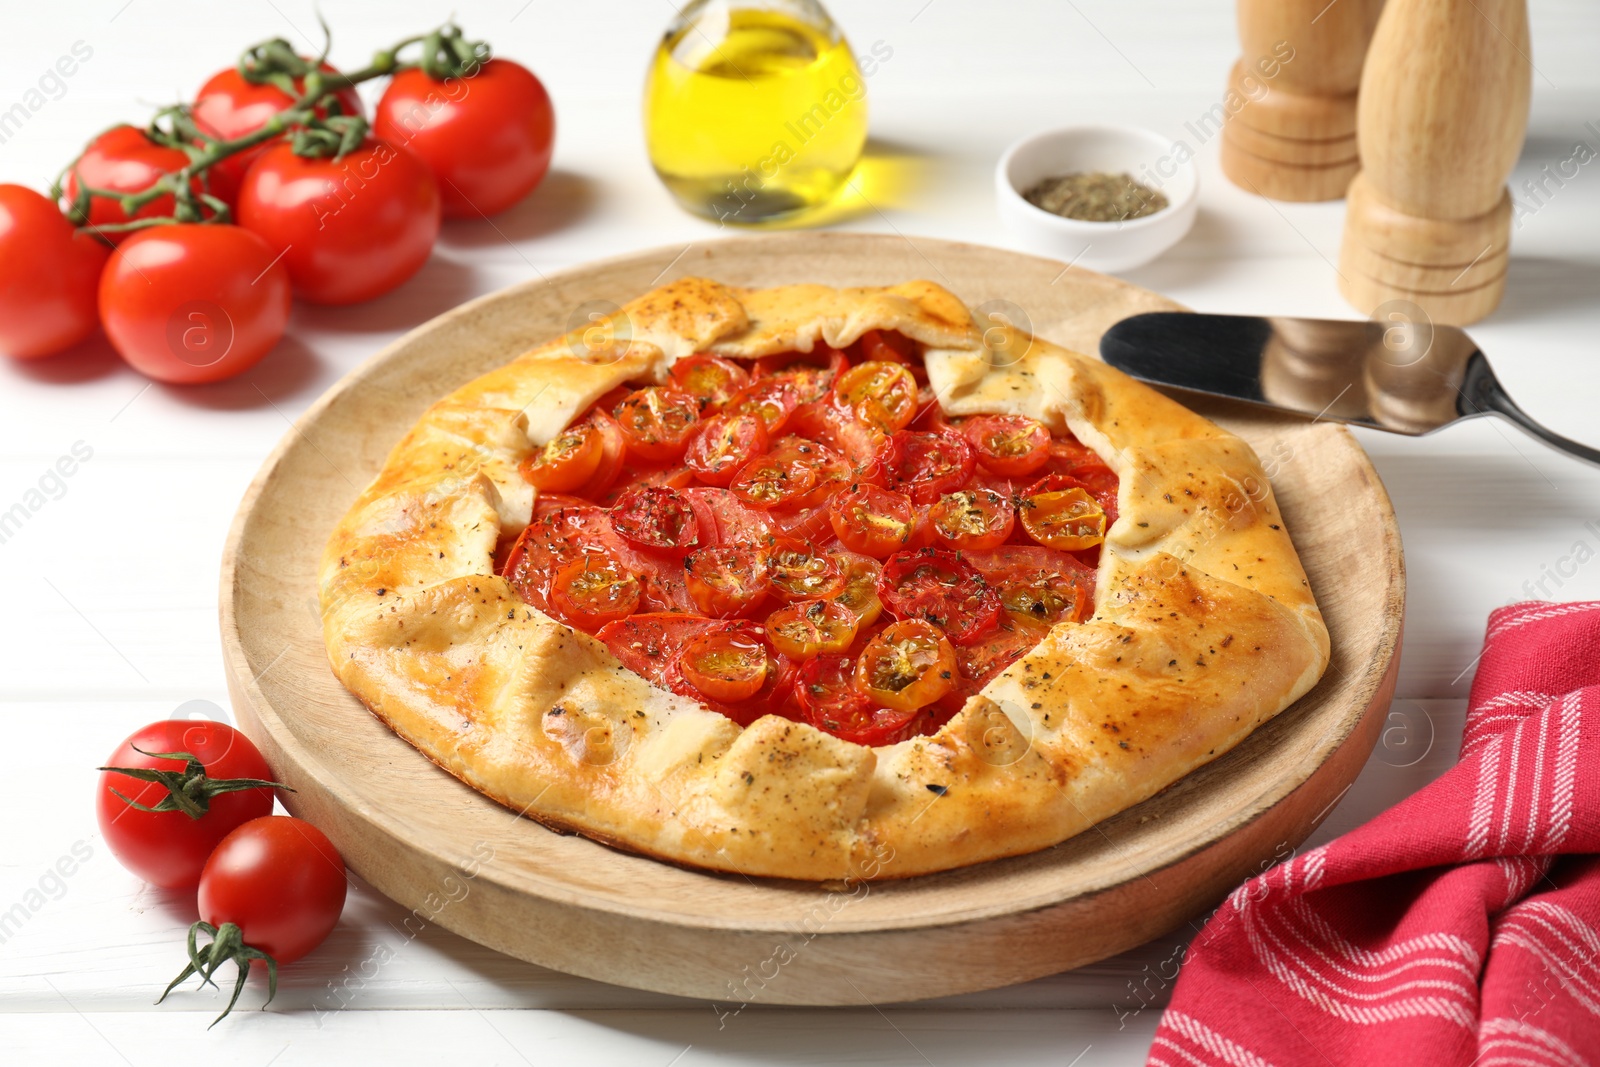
1444,107
1293,135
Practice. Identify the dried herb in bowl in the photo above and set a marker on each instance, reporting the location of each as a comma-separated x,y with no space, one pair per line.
1095,196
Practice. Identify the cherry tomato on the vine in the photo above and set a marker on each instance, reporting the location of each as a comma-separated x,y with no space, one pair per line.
228,106
124,160
349,229
487,137
280,880
169,846
194,303
49,277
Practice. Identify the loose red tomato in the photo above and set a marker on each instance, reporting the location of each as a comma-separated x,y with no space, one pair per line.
349,229
926,464
713,380
196,802
728,665
772,399
886,345
875,522
1012,446
907,666
832,703
194,303
723,445
593,591
228,106
568,462
124,160
487,137
879,394
1059,512
657,422
49,277
938,586
812,628
656,517
280,880
972,519
801,573
728,579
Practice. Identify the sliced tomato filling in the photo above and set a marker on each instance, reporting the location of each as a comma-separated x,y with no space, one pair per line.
808,535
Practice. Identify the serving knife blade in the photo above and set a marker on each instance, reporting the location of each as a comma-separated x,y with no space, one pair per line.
1403,376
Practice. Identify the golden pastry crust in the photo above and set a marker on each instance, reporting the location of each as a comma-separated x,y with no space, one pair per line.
1204,627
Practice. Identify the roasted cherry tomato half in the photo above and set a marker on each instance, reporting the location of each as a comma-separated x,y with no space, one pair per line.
875,522
711,379
568,462
811,375
907,666
1059,512
773,399
886,345
723,445
657,517
728,665
926,464
860,592
775,480
972,519
1012,446
798,573
593,591
831,702
879,394
1046,595
999,649
938,586
728,579
810,628
657,422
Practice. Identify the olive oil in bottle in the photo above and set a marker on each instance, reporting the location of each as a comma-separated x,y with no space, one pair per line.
754,112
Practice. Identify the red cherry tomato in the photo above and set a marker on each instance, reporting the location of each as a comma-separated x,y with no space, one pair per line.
799,572
811,374
169,847
727,665
1012,446
1058,511
972,519
907,666
228,106
124,160
875,522
886,345
926,464
940,587
348,229
657,422
1037,584
772,480
487,138
194,303
713,380
831,702
812,628
728,579
773,399
860,592
49,277
594,590
280,880
656,517
723,445
879,394
568,462
652,642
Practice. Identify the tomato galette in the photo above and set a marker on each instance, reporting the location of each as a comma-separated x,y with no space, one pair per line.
817,583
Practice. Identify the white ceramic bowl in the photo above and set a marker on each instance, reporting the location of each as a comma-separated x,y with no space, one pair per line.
1149,158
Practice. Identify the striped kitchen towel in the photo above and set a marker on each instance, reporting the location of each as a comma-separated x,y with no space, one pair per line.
1461,926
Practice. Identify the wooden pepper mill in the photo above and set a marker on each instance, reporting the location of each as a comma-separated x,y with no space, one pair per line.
1444,107
1291,132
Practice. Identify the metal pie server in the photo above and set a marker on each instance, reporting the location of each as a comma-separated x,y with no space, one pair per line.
1404,376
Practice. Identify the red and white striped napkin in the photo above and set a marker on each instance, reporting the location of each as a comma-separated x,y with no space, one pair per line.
1461,926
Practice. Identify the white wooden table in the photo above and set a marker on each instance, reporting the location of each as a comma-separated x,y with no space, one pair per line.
111,582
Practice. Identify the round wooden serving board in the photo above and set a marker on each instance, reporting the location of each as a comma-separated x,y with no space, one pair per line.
465,862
